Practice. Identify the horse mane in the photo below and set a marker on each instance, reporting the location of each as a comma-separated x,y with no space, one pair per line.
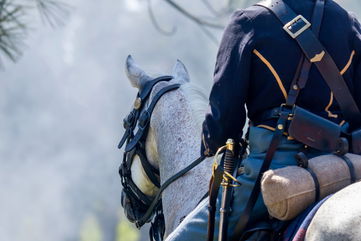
198,100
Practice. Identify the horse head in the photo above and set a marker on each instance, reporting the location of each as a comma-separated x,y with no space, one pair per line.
171,141
139,79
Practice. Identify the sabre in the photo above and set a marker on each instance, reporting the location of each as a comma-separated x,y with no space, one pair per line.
229,167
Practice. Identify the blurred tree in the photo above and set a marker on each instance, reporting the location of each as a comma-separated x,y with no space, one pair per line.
126,232
15,21
90,230
218,13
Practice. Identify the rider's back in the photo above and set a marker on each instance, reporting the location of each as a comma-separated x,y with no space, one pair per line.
276,55
257,61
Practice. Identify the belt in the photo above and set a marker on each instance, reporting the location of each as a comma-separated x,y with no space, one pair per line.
266,115
274,114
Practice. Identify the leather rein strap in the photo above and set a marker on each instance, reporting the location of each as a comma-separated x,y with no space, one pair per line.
158,196
316,53
297,85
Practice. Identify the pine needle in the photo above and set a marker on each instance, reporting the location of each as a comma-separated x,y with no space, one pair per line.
14,22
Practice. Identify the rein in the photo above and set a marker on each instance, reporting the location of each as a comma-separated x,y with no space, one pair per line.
157,198
135,146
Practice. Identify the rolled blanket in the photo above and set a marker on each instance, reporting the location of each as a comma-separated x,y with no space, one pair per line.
290,190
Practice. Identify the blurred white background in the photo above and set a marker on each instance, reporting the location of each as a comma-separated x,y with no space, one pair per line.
61,111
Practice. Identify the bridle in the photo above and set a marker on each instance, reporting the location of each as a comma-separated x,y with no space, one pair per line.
143,208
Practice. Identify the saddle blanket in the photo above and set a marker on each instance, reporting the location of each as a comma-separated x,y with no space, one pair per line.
296,231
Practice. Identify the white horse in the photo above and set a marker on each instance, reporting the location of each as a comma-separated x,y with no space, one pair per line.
173,142
339,218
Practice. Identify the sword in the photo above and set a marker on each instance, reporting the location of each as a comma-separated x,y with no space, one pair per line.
229,167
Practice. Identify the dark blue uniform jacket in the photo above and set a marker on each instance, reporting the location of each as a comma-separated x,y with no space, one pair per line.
256,64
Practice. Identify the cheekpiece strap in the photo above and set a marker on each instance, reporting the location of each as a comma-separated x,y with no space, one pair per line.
144,117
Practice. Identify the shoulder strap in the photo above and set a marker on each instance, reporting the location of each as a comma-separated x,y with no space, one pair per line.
299,29
300,80
304,67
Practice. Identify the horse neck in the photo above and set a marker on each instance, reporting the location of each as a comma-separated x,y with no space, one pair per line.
177,134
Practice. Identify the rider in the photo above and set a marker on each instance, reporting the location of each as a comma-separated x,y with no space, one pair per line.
256,63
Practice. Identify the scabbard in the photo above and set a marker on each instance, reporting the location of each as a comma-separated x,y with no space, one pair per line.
229,166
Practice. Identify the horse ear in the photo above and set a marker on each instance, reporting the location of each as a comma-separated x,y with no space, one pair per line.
180,71
136,75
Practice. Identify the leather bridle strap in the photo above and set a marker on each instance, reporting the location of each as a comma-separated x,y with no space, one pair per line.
131,120
147,89
144,117
351,168
316,53
277,136
150,170
157,198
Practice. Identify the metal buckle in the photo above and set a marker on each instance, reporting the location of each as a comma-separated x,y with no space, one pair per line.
292,22
286,108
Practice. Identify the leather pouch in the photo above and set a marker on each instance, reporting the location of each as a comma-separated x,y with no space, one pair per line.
314,131
356,142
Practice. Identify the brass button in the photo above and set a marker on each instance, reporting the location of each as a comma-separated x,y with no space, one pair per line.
280,127
295,87
137,103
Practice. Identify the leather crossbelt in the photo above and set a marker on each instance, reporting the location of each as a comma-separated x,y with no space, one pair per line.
316,53
283,113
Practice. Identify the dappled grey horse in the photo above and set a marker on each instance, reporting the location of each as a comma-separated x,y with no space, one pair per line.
173,142
339,218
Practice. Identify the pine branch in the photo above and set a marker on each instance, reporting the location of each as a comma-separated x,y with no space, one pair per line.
12,30
217,13
206,24
53,12
156,23
192,17
14,22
